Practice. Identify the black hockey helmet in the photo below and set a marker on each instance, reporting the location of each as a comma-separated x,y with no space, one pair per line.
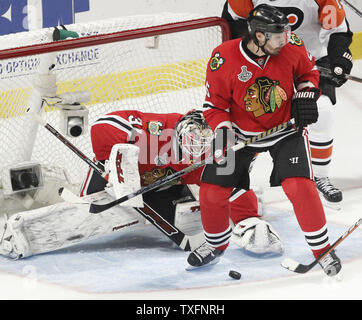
265,18
271,22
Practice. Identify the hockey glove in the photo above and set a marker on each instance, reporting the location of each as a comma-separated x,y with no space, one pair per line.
224,139
340,57
304,107
341,64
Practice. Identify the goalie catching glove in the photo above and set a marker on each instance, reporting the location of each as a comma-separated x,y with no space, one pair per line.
257,236
304,107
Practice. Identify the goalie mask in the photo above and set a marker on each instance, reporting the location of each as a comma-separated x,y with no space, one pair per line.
193,134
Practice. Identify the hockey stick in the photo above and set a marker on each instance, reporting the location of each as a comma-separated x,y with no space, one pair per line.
97,208
353,8
185,242
328,73
294,266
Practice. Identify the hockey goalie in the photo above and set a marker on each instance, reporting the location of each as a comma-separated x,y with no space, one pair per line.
135,149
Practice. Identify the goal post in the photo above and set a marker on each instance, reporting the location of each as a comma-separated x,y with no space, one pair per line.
118,36
152,63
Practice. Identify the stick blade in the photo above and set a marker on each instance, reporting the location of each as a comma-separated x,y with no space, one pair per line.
98,208
289,264
294,266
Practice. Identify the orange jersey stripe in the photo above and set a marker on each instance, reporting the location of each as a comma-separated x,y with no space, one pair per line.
331,13
321,153
241,7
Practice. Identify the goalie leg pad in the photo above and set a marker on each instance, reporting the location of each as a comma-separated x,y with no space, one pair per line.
257,236
61,225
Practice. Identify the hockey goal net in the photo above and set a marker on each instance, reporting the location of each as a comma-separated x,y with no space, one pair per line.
152,63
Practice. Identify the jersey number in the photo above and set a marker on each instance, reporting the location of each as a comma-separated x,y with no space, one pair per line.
134,121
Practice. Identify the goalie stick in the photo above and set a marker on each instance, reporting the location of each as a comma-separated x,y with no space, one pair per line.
328,73
97,208
294,266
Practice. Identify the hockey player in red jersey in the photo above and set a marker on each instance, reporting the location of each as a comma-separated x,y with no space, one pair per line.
323,27
169,143
250,88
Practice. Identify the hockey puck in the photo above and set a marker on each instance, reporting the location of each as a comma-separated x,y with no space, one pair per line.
234,274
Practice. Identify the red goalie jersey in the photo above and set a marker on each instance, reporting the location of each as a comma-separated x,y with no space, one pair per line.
255,93
153,133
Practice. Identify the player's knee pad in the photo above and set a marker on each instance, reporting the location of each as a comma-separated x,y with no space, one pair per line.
299,188
214,195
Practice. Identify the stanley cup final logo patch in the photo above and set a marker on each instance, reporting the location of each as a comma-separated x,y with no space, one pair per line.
244,75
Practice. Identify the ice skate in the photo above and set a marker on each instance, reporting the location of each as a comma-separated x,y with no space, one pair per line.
203,255
331,264
332,196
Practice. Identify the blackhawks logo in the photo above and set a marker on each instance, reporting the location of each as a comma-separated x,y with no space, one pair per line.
294,39
150,177
154,128
216,61
264,96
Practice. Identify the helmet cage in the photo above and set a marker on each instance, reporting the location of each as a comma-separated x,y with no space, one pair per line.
194,136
